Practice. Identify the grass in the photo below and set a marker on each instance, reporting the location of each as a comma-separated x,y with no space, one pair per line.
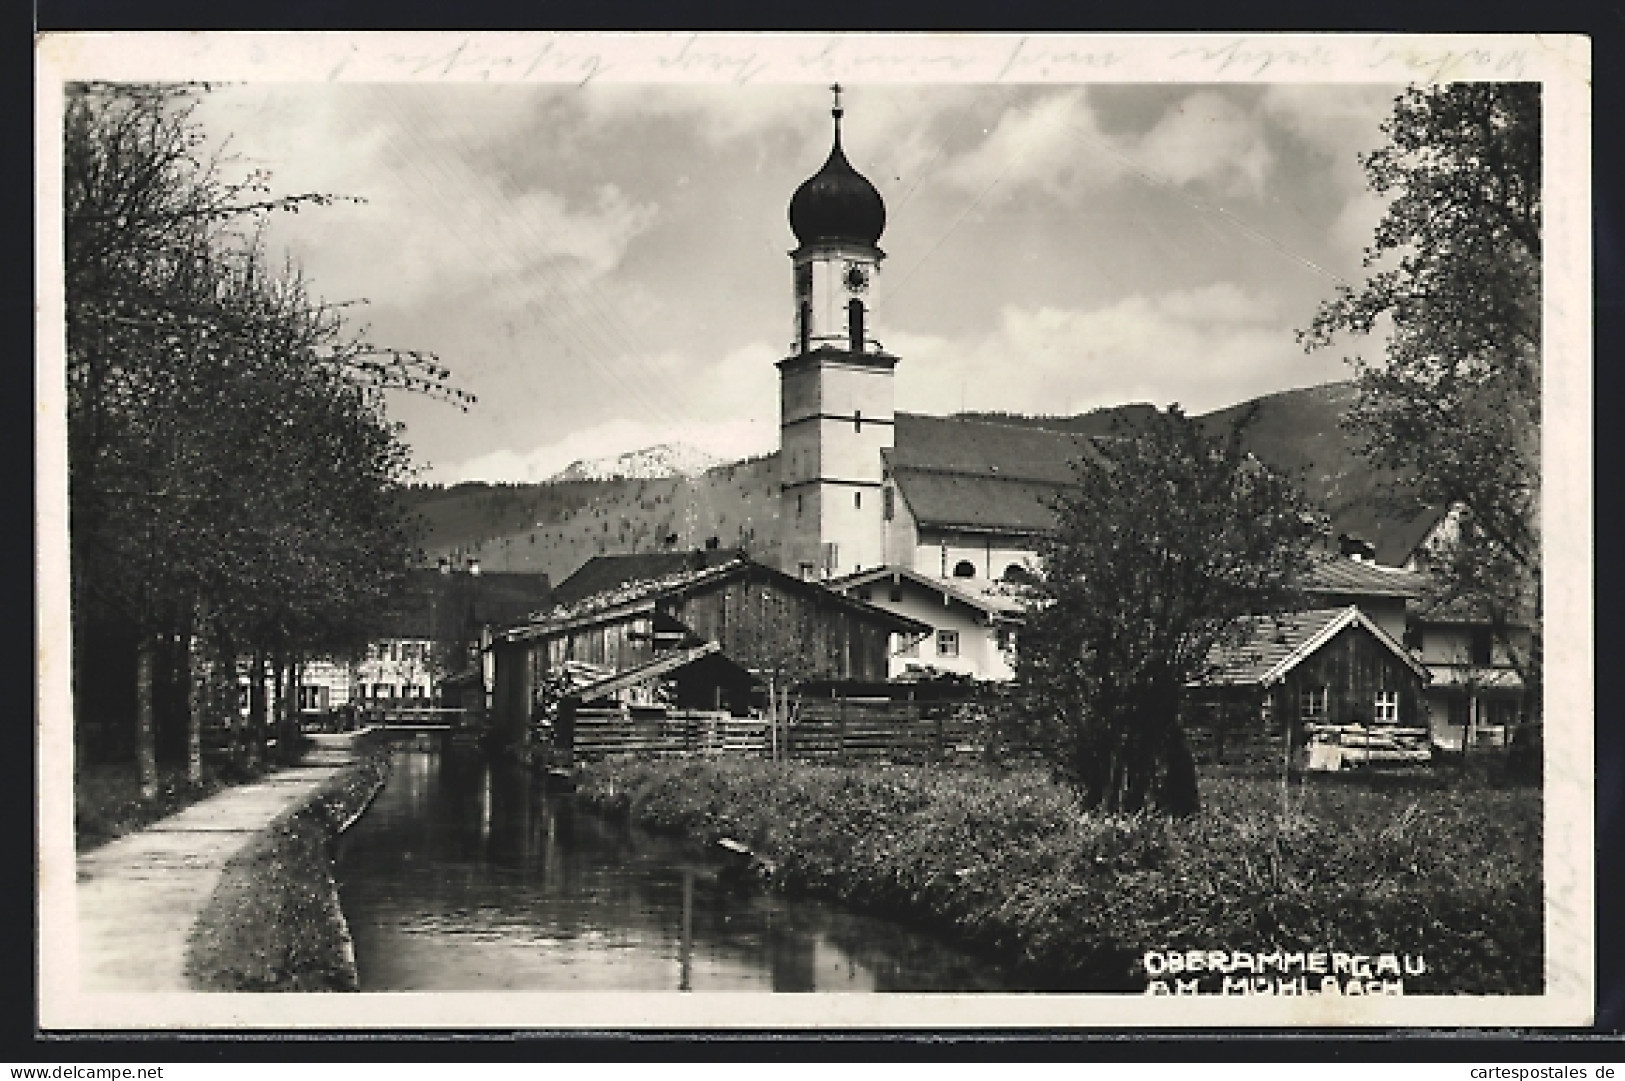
107,800
1012,865
274,922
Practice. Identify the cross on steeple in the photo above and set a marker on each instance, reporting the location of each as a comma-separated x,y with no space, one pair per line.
835,88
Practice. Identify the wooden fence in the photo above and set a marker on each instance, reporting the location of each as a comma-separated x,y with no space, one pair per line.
839,729
654,733
883,730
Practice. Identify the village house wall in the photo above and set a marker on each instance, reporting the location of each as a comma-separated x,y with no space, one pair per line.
975,646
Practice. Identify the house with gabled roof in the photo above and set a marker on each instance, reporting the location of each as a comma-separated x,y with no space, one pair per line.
974,624
1309,673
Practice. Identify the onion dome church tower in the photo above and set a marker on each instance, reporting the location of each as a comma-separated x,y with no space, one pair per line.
835,387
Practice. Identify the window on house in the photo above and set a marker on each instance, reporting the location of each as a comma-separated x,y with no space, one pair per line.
1015,573
864,595
380,690
857,420
1006,637
896,594
857,500
947,643
1479,646
807,570
798,502
1387,707
907,647
964,569
1312,704
888,504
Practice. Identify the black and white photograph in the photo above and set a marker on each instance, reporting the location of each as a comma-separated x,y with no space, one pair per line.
567,531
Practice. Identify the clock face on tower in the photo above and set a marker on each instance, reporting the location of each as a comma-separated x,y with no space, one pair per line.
857,277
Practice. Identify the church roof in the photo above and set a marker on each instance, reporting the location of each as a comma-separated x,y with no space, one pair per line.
977,503
980,475
988,449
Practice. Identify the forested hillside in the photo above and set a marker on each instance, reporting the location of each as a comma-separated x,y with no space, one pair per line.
556,527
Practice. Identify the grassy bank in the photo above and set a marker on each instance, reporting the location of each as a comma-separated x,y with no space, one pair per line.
274,923
107,800
1013,866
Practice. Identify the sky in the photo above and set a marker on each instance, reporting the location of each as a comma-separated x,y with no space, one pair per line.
605,267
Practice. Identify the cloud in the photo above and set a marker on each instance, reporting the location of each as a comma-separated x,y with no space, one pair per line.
1042,145
1208,137
1337,121
737,394
435,225
1219,344
1057,146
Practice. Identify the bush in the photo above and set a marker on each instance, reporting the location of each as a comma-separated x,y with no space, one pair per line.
1013,865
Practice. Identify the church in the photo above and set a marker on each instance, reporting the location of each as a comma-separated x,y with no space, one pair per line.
936,517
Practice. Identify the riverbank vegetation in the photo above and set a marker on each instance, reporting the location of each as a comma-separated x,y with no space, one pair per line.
1014,865
274,921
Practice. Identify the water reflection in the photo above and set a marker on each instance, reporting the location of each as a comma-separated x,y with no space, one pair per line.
460,877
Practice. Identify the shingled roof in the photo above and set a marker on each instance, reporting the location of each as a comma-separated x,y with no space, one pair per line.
1272,646
1338,574
637,595
605,572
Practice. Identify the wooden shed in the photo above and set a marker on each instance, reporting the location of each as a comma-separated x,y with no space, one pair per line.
1324,676
762,620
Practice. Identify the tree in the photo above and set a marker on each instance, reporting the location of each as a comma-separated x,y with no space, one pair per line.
1451,410
1169,537
232,473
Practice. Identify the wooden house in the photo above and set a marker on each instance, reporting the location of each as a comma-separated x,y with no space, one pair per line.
1329,681
707,632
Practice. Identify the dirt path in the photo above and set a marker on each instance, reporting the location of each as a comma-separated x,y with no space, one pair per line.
138,896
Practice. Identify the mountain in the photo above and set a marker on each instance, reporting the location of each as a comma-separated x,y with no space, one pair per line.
555,527
662,460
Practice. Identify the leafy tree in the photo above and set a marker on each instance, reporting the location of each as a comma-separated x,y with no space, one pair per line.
1451,409
1170,536
232,474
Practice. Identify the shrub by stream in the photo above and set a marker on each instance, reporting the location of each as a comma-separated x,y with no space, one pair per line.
1013,865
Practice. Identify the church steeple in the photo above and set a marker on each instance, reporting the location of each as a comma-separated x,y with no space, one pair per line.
837,203
835,387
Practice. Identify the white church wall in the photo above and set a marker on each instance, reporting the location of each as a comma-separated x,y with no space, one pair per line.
989,555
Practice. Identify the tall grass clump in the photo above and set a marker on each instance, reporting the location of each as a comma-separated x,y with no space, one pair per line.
1013,865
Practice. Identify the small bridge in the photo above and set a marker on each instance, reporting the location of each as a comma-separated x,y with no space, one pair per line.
413,719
